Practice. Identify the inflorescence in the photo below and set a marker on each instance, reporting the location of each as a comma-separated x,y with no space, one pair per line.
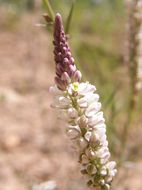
78,105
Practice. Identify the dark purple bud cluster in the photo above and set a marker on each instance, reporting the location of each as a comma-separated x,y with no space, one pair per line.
66,71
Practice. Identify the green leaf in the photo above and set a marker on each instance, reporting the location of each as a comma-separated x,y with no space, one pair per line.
68,22
49,9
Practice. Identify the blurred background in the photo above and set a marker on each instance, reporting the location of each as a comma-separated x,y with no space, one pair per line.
34,148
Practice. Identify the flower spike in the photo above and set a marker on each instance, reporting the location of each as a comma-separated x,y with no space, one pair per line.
66,71
78,105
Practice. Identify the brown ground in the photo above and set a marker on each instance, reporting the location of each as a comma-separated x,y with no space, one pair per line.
33,144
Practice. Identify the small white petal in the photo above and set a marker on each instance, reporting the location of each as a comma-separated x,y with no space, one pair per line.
70,89
103,172
96,119
100,129
82,102
115,171
111,165
73,133
76,127
54,90
85,88
103,152
103,160
60,102
92,109
72,113
91,98
103,139
63,101
82,143
81,88
105,143
112,173
106,155
108,179
88,135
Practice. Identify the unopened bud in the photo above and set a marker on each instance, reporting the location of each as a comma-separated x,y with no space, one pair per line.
82,143
66,77
84,159
106,187
60,84
89,183
94,140
91,169
77,76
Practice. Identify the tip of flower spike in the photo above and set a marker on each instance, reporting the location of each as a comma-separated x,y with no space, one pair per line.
58,15
58,19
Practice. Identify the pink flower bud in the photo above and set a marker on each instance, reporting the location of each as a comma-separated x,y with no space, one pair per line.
77,76
66,77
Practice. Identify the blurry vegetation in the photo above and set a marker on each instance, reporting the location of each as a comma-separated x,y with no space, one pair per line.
96,31
21,5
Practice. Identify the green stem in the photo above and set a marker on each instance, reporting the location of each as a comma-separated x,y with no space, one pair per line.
49,9
68,23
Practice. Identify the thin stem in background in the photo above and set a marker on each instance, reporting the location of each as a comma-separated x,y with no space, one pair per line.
131,58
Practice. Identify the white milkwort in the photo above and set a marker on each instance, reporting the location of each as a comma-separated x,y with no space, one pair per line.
86,128
78,105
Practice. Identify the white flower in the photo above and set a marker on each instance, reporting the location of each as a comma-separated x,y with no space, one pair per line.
103,172
72,113
111,165
80,108
76,127
55,91
101,131
92,109
102,152
73,133
85,88
88,135
82,143
64,102
61,102
91,97
95,119
82,102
